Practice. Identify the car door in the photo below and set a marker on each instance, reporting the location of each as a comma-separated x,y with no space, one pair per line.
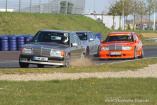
96,42
137,44
76,51
90,43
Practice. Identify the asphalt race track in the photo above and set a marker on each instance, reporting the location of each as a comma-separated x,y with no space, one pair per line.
9,59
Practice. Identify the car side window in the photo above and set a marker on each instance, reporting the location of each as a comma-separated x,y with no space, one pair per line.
135,37
72,38
93,35
89,36
77,40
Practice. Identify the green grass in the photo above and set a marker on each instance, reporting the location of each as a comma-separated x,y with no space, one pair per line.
137,31
116,67
123,91
30,23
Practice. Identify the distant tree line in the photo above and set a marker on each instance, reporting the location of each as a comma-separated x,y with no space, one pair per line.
132,7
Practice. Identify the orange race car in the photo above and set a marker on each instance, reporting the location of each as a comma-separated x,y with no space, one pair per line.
121,45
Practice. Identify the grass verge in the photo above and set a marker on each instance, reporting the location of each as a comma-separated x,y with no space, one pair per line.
122,91
122,66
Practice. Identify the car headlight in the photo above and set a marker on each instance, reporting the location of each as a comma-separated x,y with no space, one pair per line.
57,53
26,50
126,48
104,48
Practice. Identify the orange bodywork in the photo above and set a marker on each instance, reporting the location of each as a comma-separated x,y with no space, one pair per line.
127,45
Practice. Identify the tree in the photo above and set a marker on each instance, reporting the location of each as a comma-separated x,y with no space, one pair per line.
150,9
113,12
134,10
142,10
128,8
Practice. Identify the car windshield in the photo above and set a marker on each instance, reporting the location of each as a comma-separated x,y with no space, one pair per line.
119,38
51,37
82,36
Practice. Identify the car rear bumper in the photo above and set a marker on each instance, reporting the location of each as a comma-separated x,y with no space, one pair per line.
58,61
124,54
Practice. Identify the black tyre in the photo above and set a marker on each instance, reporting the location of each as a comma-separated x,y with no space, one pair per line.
82,55
87,52
135,54
142,54
97,55
67,61
23,65
40,66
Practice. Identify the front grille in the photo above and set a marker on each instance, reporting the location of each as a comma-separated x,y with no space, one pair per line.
115,48
45,51
36,51
39,51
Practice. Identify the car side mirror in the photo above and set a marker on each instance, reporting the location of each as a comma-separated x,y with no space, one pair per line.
137,41
91,39
28,40
74,44
102,41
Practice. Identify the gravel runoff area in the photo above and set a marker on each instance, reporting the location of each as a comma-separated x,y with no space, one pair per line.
146,72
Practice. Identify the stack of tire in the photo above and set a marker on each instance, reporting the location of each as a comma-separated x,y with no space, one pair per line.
99,36
12,43
28,37
4,46
20,41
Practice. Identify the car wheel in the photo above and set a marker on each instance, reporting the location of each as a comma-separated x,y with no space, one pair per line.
23,65
97,55
82,55
87,52
40,66
67,63
135,54
142,54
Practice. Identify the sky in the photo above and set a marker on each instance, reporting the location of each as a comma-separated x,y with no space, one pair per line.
100,5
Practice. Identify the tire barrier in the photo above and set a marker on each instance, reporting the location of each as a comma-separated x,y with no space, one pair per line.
99,36
20,42
13,42
4,43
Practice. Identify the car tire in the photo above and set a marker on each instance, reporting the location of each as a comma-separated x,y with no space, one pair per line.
97,55
87,52
82,55
23,65
40,66
67,61
142,54
135,54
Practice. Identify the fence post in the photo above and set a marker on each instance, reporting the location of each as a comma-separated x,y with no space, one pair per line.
30,6
6,5
40,6
48,6
19,5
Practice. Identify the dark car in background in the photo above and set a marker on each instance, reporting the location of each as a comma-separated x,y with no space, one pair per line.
90,41
51,47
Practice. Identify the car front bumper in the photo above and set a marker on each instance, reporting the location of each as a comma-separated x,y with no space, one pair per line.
58,61
123,54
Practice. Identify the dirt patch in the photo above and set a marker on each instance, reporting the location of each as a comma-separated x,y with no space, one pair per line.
84,62
147,72
151,35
